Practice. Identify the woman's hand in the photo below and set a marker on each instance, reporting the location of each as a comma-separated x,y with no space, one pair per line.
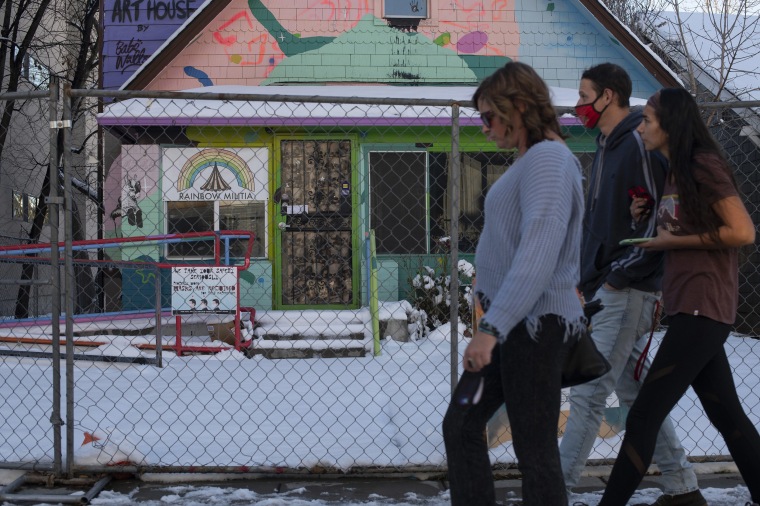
737,230
662,241
477,355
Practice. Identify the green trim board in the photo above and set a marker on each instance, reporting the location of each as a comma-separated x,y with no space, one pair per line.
276,218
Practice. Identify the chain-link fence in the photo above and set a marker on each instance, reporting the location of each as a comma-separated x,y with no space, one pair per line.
264,283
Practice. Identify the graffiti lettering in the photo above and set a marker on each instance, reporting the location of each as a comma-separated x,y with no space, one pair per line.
134,11
129,54
122,11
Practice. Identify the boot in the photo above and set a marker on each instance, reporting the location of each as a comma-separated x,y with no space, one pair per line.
688,499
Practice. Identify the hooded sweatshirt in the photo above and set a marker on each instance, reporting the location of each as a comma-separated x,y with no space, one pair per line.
620,165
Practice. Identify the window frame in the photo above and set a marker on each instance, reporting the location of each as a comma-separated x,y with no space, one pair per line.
215,228
29,206
426,184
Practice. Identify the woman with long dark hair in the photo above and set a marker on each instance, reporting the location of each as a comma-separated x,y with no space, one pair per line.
528,264
702,223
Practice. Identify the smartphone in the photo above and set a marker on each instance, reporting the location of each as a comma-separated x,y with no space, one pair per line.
635,240
469,390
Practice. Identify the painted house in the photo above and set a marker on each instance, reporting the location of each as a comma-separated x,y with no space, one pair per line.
311,176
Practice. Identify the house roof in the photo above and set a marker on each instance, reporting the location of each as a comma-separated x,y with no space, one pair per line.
593,10
169,50
310,106
635,46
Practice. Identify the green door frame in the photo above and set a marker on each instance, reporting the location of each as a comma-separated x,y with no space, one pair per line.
278,217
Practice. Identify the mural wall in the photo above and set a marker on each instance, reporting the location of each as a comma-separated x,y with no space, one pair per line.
268,42
131,184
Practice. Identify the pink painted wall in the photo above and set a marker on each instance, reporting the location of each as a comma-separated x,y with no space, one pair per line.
237,49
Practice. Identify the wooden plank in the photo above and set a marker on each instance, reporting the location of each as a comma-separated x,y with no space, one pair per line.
185,348
47,342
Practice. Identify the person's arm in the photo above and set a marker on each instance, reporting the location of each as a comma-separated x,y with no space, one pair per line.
633,263
737,230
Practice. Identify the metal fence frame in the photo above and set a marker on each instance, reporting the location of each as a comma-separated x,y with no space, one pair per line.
66,466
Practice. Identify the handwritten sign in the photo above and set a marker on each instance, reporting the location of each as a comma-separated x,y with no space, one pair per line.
204,290
134,29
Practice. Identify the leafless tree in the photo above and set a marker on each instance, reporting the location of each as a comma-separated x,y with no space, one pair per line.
704,41
40,38
637,14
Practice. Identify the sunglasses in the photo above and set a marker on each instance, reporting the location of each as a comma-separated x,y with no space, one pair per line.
487,118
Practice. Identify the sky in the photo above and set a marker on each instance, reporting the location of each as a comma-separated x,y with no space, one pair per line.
370,411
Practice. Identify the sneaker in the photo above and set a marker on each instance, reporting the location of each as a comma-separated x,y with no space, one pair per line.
688,499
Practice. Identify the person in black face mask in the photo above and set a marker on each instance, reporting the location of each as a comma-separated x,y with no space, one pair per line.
626,279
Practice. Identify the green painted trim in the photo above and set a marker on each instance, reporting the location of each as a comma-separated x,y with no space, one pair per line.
373,302
278,218
237,136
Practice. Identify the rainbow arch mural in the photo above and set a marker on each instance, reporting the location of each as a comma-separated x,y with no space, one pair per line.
220,158
214,173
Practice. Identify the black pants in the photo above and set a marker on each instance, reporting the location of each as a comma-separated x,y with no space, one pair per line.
525,373
691,354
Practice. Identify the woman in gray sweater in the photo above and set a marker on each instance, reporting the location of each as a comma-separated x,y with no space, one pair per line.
527,263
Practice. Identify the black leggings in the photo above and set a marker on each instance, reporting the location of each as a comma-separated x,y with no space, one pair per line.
691,354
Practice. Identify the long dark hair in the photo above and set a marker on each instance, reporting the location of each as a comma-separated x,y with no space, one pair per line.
688,136
517,84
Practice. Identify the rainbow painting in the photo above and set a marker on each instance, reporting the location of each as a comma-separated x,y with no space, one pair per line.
223,159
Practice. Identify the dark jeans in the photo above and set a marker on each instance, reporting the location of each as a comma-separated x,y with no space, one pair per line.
691,354
525,373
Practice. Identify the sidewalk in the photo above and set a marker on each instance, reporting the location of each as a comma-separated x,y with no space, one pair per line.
414,489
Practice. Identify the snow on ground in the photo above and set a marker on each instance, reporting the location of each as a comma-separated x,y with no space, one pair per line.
381,410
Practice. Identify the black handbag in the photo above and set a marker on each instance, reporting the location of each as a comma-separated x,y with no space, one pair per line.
584,361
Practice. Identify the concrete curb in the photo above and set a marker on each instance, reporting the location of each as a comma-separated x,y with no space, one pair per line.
367,489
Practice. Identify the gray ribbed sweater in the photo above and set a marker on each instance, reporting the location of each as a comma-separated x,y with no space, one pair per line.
527,261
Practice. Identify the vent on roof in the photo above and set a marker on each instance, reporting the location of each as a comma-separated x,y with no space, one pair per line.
405,9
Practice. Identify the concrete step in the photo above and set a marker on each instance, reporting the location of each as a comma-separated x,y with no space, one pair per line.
311,334
305,352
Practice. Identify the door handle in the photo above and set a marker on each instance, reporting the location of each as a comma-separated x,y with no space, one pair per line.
283,226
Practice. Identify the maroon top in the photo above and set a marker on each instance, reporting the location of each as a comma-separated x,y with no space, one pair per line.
700,282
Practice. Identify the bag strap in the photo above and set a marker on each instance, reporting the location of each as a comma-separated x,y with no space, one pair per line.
642,358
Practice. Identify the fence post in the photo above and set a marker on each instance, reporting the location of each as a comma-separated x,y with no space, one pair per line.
454,241
70,286
55,275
